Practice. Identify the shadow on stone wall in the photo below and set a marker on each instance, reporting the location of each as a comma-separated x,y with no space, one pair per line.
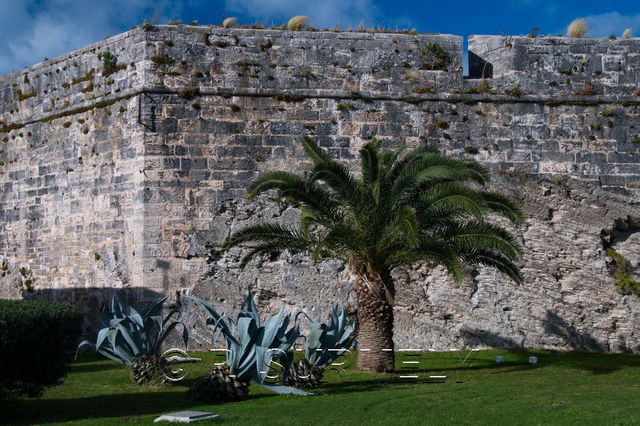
91,300
474,338
555,325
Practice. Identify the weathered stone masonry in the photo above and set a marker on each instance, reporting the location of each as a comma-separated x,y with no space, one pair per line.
133,179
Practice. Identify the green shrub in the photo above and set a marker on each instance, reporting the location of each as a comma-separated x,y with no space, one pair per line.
345,106
514,91
624,282
162,59
37,340
434,57
110,63
471,150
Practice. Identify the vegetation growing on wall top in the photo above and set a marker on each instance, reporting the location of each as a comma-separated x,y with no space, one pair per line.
434,57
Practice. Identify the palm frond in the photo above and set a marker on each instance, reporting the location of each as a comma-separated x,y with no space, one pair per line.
491,258
299,190
340,239
455,196
268,233
407,206
407,160
471,235
503,205
270,248
432,251
477,172
339,179
369,162
314,152
432,169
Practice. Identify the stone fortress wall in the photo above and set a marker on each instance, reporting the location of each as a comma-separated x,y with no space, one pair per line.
132,176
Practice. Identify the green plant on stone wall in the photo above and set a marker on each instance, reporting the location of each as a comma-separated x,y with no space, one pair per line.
442,124
88,88
345,106
188,93
4,268
110,63
514,91
434,57
25,95
608,111
221,44
162,59
471,150
622,274
86,77
422,89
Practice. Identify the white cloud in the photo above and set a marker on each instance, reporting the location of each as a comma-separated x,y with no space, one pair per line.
605,24
323,14
32,29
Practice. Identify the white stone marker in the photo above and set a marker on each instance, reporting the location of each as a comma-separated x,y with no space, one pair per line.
186,417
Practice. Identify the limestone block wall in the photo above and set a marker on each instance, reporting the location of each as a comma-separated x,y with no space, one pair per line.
203,111
71,170
558,65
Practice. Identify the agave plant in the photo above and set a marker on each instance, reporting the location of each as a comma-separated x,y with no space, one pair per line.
324,344
134,339
251,348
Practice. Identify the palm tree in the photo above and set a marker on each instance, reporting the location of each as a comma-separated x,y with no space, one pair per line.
407,206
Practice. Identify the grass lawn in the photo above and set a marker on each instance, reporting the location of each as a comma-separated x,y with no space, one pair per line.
565,388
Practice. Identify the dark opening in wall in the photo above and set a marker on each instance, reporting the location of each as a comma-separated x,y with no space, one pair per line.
478,67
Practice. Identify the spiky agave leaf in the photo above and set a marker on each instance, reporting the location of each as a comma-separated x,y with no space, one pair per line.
253,345
131,338
327,341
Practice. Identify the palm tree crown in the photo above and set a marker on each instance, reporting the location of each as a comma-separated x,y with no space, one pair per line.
407,206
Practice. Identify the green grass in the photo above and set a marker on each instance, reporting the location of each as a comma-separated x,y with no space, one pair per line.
565,388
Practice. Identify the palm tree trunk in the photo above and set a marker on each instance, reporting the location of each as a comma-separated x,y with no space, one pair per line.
375,292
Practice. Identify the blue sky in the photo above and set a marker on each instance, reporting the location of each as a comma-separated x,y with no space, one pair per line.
33,29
